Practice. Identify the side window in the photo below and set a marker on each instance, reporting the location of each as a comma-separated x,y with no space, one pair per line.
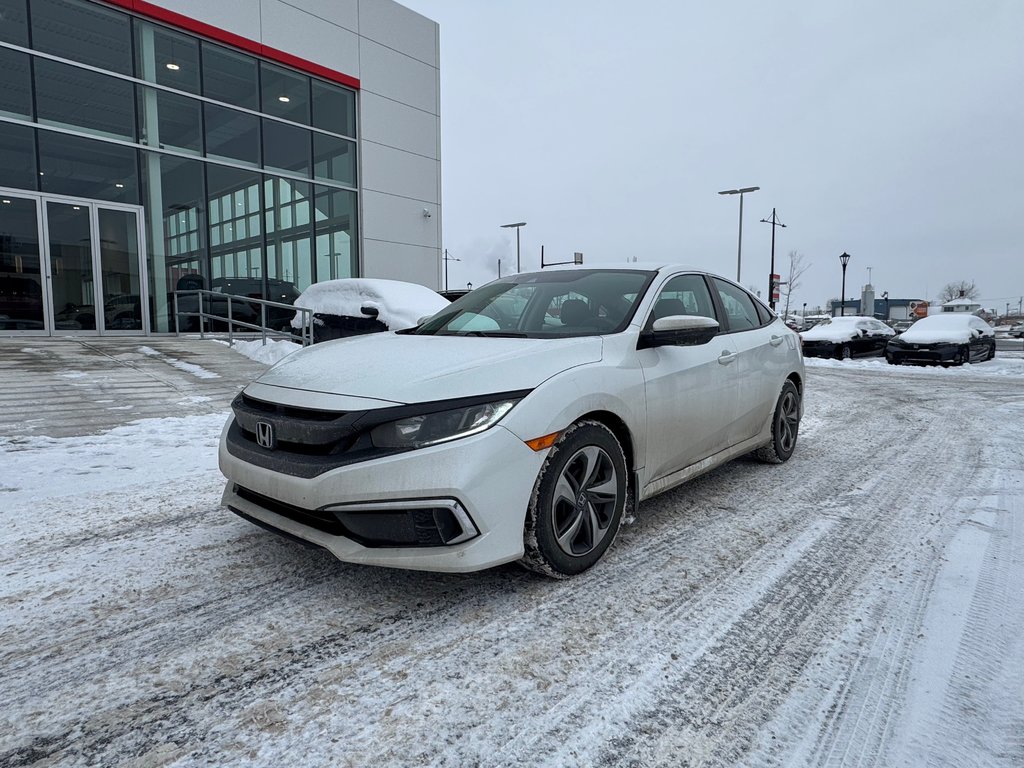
763,313
739,306
683,295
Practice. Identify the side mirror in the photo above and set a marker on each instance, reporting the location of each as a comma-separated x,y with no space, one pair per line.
369,311
679,331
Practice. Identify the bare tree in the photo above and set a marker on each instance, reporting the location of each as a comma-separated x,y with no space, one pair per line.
960,289
796,269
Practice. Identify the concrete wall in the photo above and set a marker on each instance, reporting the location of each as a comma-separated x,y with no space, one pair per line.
394,52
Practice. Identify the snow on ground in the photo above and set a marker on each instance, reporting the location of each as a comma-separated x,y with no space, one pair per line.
859,605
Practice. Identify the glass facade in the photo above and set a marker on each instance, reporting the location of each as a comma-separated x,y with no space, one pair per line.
245,169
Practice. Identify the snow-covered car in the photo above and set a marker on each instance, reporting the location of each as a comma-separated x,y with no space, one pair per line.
522,422
353,306
945,338
902,325
846,337
1017,331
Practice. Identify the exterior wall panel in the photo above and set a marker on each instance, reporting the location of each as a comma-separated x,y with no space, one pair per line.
399,220
295,31
399,173
400,29
344,13
242,17
399,126
398,77
394,261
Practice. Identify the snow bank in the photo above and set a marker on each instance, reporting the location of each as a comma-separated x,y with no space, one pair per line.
269,353
1004,364
398,304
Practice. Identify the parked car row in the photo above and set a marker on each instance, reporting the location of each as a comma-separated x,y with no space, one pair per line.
943,339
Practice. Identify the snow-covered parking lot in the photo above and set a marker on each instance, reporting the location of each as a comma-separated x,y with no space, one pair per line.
862,604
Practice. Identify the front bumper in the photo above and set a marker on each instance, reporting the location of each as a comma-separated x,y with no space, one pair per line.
923,353
486,480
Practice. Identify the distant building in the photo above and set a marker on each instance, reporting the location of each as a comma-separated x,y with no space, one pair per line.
961,305
886,309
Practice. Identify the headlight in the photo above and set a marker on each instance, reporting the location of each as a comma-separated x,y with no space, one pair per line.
430,428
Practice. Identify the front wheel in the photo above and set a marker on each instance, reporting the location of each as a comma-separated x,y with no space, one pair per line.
965,355
785,426
844,352
577,503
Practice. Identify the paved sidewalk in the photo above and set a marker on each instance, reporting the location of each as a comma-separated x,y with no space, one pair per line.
67,386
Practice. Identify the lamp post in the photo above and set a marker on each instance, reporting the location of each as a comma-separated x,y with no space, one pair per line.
805,311
739,246
447,258
844,259
517,226
469,286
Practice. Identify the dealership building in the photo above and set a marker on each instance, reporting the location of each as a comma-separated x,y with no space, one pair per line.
243,146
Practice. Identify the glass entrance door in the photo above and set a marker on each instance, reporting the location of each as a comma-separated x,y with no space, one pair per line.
22,306
94,264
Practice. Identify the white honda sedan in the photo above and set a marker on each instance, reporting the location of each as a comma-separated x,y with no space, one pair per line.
522,422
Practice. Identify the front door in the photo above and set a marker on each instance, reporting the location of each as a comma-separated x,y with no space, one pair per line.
71,267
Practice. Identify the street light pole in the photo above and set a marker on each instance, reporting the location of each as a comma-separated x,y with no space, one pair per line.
447,258
516,227
774,221
739,245
844,259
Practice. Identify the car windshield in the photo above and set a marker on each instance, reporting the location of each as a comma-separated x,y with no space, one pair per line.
545,304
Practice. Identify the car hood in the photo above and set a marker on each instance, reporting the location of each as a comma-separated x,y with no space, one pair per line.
406,368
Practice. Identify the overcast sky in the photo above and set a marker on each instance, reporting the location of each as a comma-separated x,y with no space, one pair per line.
893,131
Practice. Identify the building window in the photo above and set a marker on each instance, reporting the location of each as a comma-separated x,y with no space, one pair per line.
70,97
15,85
78,167
83,31
334,214
334,108
334,159
170,121
286,148
232,135
230,77
18,156
13,22
285,93
166,57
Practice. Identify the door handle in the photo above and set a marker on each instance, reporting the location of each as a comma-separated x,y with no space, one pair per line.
775,341
726,357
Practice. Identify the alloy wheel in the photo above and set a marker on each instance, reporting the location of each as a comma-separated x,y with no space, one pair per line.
583,503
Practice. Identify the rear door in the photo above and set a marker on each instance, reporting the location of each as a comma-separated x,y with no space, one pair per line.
760,343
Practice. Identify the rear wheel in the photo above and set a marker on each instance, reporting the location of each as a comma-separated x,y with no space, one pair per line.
785,427
577,503
964,356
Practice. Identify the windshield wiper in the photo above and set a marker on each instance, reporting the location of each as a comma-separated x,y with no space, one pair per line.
496,334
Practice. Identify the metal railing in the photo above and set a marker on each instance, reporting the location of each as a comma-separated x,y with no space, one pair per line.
265,331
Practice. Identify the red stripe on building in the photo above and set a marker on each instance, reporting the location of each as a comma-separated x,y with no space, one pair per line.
188,24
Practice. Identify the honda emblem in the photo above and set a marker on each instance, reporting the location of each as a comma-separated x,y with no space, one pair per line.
265,435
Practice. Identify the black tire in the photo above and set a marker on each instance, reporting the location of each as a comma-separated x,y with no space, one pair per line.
991,352
890,359
785,427
964,356
578,501
844,352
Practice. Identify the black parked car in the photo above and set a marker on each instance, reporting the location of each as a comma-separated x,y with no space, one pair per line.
846,337
944,339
